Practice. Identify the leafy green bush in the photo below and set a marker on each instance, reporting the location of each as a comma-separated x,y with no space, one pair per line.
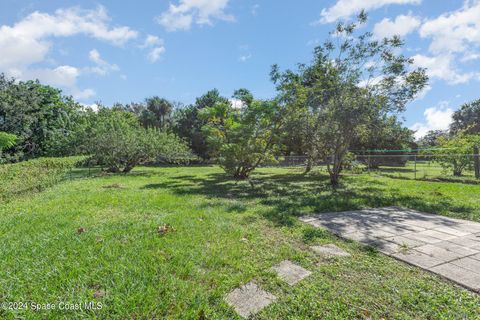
456,153
118,142
33,175
243,138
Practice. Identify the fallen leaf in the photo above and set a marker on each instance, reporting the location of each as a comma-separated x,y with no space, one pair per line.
166,228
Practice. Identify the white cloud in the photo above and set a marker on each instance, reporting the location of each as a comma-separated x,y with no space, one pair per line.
255,9
343,9
93,107
102,67
155,54
454,31
237,104
28,42
155,46
436,118
401,26
187,12
151,41
245,57
64,76
83,94
441,67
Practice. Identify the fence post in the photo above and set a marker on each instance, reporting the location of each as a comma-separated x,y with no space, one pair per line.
415,166
477,161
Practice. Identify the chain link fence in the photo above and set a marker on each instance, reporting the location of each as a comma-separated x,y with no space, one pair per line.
419,165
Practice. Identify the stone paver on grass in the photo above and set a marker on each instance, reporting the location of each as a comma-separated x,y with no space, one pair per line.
446,246
330,251
249,299
290,272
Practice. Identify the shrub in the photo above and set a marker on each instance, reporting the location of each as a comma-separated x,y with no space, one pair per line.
119,143
243,138
33,175
456,153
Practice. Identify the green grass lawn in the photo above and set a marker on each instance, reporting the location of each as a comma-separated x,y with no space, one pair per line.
225,234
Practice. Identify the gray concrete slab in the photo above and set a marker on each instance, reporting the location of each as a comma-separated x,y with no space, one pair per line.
437,234
330,251
462,251
249,299
459,275
405,241
447,246
290,272
418,259
469,264
453,231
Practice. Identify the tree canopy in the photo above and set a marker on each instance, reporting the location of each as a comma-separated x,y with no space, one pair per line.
352,82
467,118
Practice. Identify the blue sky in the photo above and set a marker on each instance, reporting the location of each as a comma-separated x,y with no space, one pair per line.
123,51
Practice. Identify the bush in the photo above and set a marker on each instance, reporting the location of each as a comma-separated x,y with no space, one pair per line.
33,175
456,153
119,143
243,138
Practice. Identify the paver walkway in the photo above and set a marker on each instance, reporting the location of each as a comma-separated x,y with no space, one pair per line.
445,246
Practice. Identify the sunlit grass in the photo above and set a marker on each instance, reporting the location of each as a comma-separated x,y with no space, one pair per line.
97,240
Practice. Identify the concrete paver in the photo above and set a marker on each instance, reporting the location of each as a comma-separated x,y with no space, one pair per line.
249,299
446,246
290,272
329,251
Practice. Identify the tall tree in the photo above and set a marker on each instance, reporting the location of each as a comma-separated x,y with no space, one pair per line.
40,116
352,81
158,112
433,138
189,124
467,118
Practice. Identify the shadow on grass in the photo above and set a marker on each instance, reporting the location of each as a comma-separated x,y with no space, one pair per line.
292,194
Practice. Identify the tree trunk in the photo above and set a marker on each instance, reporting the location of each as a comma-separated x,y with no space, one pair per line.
334,178
309,165
242,173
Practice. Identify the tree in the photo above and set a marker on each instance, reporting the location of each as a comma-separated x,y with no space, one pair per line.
432,138
467,118
245,137
40,116
352,81
157,113
189,123
456,152
118,142
384,133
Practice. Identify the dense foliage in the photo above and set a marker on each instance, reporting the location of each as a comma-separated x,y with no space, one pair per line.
352,82
33,175
456,153
244,137
432,139
40,116
189,123
118,142
467,118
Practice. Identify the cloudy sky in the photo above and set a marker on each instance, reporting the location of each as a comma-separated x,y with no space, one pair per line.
122,51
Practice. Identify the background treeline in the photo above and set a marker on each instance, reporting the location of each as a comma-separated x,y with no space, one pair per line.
348,98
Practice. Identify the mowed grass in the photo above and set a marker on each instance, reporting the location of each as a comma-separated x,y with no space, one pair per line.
226,233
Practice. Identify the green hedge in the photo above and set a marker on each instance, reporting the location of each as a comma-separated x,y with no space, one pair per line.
33,175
